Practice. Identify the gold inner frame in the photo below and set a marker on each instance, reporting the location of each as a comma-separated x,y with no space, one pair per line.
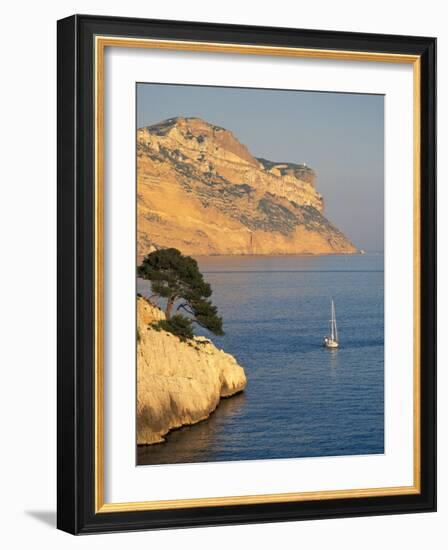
101,42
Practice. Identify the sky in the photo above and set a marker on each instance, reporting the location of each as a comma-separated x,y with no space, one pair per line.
339,135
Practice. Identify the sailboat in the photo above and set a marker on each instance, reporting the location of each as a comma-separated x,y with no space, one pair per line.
332,341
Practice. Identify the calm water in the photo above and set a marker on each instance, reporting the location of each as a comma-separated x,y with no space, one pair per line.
301,399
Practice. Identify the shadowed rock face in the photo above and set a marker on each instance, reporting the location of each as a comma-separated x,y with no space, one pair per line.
178,383
200,190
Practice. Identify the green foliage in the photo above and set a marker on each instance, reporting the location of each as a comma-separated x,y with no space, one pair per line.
206,315
178,325
173,274
177,278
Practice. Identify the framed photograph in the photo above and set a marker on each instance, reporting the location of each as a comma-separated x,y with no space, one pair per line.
246,274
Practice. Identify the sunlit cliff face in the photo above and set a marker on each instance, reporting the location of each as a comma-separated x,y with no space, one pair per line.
200,190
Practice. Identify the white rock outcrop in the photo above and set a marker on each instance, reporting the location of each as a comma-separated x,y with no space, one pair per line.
178,383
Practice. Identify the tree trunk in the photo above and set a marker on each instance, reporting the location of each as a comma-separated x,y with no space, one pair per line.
169,307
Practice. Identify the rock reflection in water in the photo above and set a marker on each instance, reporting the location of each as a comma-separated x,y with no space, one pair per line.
194,443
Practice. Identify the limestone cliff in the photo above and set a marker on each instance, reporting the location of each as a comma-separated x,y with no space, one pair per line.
200,190
178,383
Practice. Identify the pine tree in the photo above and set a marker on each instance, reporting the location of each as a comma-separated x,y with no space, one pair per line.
177,278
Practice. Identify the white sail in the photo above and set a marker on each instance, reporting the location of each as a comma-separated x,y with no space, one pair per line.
332,341
334,328
331,322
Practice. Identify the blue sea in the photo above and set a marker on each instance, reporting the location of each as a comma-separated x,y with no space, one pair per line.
301,400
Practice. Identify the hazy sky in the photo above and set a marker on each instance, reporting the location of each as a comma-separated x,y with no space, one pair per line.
340,136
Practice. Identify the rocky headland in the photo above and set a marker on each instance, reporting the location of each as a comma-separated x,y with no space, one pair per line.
178,383
200,190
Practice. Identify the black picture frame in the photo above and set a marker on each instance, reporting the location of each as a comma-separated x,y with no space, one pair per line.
76,285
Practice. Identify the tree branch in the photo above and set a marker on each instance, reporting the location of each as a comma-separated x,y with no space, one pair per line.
184,306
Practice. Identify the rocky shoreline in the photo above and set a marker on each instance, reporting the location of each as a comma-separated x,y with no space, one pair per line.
178,383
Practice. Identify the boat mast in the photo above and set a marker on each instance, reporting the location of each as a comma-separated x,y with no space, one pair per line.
334,322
